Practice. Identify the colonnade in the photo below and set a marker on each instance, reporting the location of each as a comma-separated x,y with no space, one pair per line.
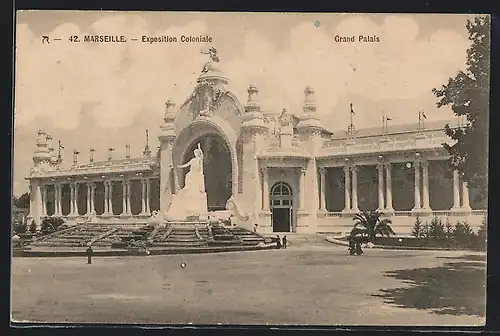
421,188
90,198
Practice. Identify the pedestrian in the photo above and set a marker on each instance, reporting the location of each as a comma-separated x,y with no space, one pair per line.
359,251
352,245
285,242
89,255
278,242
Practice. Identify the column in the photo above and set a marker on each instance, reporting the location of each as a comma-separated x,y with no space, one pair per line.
148,196
110,195
143,196
71,199
456,192
76,186
465,196
388,187
302,191
322,172
265,189
417,186
58,190
425,185
43,195
380,169
354,170
347,188
106,198
88,199
129,208
92,197
124,198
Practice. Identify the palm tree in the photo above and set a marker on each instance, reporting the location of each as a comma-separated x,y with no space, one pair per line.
369,224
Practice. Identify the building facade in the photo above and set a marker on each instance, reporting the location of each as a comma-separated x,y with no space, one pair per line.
282,171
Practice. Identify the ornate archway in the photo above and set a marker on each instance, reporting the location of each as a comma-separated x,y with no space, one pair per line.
217,168
218,142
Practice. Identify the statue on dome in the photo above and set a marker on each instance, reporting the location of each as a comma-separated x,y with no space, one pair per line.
212,53
285,119
192,199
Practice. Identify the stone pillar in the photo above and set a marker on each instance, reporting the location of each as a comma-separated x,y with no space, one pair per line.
143,196
106,198
302,191
354,170
58,192
347,188
124,198
465,196
71,200
322,172
148,196
35,203
110,195
75,187
92,197
456,192
89,196
129,208
417,186
388,187
265,189
425,186
380,169
43,196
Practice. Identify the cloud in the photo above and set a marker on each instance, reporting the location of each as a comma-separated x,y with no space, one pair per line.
123,81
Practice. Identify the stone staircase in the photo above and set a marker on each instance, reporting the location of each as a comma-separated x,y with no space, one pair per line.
248,238
77,236
188,235
180,236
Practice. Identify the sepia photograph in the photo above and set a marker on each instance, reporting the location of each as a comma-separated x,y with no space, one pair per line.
231,168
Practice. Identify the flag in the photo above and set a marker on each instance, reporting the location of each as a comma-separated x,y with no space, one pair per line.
111,149
388,119
127,146
423,115
61,146
92,150
76,152
352,111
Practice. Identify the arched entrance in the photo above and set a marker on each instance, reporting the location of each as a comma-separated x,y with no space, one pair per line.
217,168
281,207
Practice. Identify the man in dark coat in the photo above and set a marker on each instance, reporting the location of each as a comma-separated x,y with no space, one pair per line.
89,255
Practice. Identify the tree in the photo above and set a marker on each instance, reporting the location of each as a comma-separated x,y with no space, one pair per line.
468,95
369,224
22,202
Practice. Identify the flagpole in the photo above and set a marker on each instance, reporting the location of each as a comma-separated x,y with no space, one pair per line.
383,124
350,112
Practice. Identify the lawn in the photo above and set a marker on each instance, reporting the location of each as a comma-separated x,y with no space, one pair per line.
305,284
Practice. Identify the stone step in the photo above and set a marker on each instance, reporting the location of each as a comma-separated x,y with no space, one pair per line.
180,244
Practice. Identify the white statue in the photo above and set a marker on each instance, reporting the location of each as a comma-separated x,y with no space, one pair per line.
192,199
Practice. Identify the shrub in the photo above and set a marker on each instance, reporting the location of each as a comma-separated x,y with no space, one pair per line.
33,227
448,229
436,229
20,227
417,228
463,233
425,230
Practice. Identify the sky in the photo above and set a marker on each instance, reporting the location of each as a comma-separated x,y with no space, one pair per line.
106,95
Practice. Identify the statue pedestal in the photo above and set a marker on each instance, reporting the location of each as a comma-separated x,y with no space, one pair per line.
185,205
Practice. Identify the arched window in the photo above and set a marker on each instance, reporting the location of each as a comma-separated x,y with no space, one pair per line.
281,189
